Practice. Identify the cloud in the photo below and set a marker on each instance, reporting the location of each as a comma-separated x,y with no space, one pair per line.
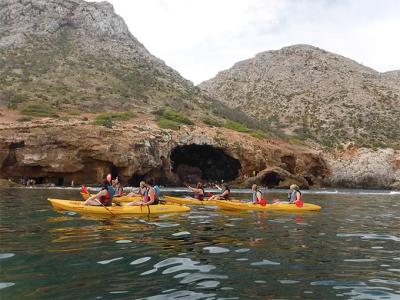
198,38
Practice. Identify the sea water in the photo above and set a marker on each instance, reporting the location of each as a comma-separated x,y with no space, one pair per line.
348,250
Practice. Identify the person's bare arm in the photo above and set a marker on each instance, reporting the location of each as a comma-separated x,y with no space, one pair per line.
152,196
225,193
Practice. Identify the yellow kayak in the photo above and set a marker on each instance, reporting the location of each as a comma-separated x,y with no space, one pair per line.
85,196
229,205
193,201
77,206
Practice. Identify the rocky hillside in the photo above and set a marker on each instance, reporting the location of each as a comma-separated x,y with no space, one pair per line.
71,55
307,93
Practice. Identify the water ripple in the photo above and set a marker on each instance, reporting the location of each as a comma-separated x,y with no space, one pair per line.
4,285
216,250
370,236
140,260
105,262
265,262
6,255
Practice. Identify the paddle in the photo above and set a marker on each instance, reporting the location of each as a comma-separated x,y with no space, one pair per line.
101,204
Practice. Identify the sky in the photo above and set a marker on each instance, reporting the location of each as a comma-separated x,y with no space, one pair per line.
199,38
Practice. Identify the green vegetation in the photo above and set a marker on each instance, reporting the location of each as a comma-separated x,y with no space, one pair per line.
104,119
38,110
293,139
259,134
175,116
167,124
212,122
236,126
170,119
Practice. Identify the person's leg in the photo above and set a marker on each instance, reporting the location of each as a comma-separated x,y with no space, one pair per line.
92,202
135,203
97,196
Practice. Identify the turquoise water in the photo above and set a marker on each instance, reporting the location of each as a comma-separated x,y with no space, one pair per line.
349,250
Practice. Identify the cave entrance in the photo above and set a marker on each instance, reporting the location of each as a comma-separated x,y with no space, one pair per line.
194,163
271,179
136,179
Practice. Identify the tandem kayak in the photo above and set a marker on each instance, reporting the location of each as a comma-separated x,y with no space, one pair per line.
77,206
193,201
229,205
85,196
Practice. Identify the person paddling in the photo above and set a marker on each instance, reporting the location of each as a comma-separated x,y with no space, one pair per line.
104,197
257,196
150,196
198,191
225,192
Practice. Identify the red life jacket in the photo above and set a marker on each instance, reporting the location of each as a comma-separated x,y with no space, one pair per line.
106,200
146,197
299,202
199,196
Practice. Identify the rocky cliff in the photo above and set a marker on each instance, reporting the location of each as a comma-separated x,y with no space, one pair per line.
314,95
61,152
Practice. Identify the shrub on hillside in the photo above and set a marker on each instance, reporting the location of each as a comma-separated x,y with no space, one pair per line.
38,110
105,118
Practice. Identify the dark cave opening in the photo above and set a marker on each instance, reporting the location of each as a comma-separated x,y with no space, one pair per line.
194,163
136,179
271,179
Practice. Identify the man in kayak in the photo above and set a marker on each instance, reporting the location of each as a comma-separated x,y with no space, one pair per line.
198,191
225,192
150,196
104,197
139,191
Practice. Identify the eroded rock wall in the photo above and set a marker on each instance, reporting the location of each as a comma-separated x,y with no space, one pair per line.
62,152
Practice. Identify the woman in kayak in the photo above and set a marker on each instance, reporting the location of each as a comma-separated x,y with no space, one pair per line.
150,196
198,191
104,197
119,191
294,195
139,191
257,196
225,192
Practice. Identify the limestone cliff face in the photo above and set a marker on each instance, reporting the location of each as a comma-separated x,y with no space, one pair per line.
362,167
62,152
315,95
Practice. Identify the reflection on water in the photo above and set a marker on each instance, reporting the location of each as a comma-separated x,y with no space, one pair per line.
349,250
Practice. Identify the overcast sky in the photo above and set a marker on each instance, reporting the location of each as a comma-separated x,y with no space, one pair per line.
198,38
